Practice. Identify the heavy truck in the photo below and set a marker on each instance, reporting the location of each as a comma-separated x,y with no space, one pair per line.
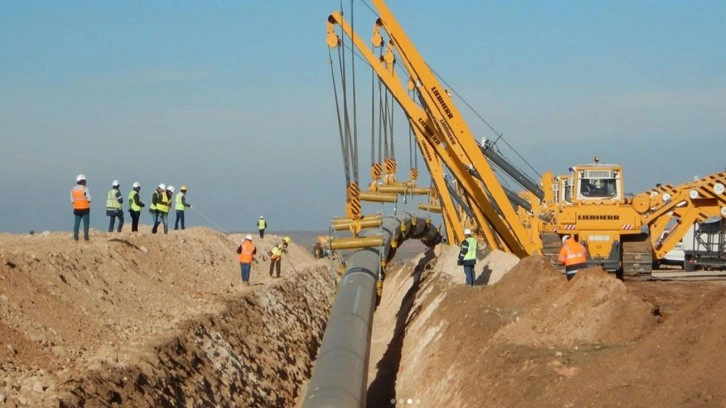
703,247
622,234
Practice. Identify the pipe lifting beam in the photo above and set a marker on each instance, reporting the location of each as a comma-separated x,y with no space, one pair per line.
346,224
376,197
340,375
434,208
355,242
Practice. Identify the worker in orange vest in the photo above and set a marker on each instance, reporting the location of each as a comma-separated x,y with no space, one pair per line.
246,251
81,200
573,255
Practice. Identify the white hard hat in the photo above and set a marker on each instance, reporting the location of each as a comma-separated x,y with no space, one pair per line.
136,184
115,183
80,177
170,188
565,238
162,186
261,216
467,231
248,237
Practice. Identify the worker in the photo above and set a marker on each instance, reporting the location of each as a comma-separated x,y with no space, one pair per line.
180,204
81,200
467,256
573,255
162,207
154,200
275,255
262,225
114,206
246,251
135,206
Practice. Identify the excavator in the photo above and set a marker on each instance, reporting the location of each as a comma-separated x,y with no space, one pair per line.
623,234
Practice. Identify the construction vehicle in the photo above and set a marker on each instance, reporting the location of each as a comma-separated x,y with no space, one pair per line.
320,247
702,248
622,234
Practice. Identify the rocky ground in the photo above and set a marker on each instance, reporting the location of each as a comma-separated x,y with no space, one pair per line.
141,320
155,320
531,338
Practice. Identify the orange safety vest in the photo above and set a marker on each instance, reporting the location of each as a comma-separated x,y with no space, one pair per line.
80,201
572,253
248,249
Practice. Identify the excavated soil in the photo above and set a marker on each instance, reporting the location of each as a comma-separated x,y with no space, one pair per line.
141,320
532,339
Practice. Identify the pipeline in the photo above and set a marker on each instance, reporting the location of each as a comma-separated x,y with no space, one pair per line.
340,375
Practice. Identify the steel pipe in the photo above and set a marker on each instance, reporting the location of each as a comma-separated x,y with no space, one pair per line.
339,378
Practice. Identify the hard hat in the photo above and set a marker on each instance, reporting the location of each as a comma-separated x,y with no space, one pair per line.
80,177
183,188
565,238
248,237
287,239
115,183
162,186
170,188
467,231
136,184
261,216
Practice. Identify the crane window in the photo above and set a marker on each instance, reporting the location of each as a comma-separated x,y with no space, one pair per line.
598,188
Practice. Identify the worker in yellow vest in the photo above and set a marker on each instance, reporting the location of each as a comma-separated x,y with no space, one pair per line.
162,208
155,197
135,206
81,200
275,255
114,206
180,204
467,256
262,226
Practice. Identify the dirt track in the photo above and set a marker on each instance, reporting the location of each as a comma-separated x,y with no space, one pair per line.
148,320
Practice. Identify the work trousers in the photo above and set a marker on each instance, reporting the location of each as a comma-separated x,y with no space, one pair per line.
162,219
246,268
112,221
469,272
275,265
262,233
135,215
179,217
86,218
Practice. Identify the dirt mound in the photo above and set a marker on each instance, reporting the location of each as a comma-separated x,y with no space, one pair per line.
149,320
535,339
593,308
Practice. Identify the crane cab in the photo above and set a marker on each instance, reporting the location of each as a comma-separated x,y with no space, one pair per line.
597,182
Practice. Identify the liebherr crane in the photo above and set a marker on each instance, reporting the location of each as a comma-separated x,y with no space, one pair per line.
590,202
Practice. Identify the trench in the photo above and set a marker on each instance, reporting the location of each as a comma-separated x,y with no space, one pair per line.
258,351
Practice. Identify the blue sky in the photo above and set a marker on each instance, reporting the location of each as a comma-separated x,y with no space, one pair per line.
234,99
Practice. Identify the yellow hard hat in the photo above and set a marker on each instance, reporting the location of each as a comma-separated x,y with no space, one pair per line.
287,239
183,188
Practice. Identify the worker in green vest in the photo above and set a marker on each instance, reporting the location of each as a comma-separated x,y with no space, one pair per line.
163,203
467,256
155,196
135,206
261,226
114,208
180,204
